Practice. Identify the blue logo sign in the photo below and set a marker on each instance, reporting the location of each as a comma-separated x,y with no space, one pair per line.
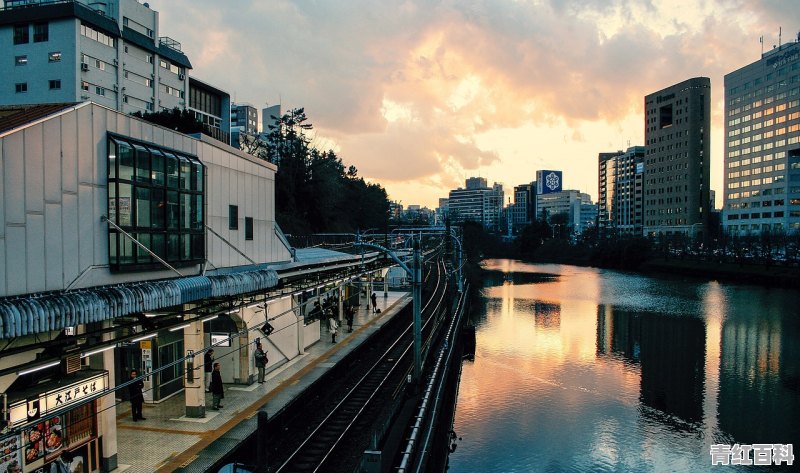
550,182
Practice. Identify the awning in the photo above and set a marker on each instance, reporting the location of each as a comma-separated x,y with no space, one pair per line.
43,313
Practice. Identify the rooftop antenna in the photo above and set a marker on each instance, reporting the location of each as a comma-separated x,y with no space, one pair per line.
761,40
780,32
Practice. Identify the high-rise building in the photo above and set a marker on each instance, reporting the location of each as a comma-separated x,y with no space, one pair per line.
676,164
575,207
477,203
762,149
107,52
244,119
521,210
620,191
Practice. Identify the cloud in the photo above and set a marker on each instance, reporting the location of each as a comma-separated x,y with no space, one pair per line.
405,88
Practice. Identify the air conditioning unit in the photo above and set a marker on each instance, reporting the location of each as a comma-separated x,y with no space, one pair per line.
181,77
84,66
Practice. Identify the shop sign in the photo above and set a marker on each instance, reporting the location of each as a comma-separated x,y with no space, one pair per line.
29,410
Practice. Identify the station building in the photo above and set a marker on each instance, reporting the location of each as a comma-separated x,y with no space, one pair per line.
127,246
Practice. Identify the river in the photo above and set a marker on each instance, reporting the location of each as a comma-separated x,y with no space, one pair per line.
586,370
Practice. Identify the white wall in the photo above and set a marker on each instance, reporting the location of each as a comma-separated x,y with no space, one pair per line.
54,189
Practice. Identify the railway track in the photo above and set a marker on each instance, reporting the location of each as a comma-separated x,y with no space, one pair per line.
337,440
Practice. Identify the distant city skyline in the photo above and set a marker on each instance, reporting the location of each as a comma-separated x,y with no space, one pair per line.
421,95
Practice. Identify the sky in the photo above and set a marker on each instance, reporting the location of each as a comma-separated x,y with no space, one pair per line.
420,95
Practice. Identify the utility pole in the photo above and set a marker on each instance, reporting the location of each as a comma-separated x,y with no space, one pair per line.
416,286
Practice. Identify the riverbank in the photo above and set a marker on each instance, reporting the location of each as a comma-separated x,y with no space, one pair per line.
774,276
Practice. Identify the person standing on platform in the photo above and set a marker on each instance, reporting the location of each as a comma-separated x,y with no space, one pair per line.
261,362
332,327
208,366
217,391
349,314
374,298
136,395
316,312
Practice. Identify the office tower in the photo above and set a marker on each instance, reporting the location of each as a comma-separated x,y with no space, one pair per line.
762,153
620,191
676,163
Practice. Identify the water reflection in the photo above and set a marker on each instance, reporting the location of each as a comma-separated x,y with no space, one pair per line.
579,369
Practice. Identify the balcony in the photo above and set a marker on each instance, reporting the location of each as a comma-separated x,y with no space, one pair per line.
170,43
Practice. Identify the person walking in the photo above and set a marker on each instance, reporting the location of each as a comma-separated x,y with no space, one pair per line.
332,327
374,298
136,396
217,391
316,313
261,362
208,366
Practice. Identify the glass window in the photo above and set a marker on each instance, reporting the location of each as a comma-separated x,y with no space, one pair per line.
233,217
21,87
21,34
21,60
142,164
197,212
158,162
125,250
197,176
124,201
173,246
157,207
172,171
157,240
142,255
248,228
125,157
186,173
41,32
186,211
55,56
142,207
173,211
55,84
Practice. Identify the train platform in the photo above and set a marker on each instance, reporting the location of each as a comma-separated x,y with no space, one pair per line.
169,441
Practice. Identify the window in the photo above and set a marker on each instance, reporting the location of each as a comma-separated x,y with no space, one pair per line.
21,34
41,32
99,90
21,60
147,199
21,87
55,84
55,56
233,217
248,228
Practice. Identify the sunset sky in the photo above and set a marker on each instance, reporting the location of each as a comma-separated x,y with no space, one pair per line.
420,95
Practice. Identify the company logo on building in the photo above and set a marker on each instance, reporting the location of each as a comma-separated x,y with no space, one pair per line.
549,182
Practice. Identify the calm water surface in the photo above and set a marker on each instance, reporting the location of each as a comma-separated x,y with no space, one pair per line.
585,370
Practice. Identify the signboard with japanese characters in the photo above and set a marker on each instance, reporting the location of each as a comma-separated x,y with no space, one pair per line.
30,410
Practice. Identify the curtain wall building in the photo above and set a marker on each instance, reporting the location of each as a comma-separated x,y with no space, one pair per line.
619,203
762,149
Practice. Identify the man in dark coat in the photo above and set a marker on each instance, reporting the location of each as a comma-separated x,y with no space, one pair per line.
374,298
261,362
217,393
136,397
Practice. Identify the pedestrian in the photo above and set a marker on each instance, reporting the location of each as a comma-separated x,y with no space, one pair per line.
374,298
13,467
62,464
316,312
217,392
136,396
208,364
349,314
261,362
332,326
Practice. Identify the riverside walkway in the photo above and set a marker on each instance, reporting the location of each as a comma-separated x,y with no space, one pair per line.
169,441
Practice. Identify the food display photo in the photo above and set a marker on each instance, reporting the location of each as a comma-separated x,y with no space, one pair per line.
9,452
54,435
33,439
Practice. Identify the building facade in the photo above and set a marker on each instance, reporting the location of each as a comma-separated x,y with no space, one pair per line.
574,206
115,231
212,108
106,52
522,210
762,144
620,189
477,203
244,119
676,164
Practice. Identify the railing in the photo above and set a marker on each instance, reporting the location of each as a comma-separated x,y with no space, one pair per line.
17,4
170,43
